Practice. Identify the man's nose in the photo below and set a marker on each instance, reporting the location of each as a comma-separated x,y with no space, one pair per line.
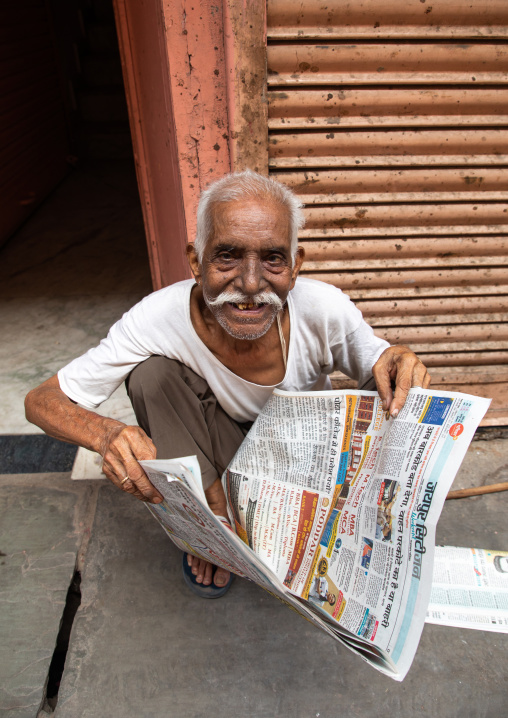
250,278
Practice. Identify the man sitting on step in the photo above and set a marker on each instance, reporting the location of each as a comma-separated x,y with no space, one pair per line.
201,357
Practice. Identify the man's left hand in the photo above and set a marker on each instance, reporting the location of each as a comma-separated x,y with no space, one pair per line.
400,365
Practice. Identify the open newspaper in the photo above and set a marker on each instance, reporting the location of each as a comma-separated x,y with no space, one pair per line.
333,507
469,589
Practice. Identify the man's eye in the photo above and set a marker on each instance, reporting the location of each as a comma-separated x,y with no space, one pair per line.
275,259
225,256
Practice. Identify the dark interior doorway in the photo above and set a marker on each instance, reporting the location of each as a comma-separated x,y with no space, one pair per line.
78,257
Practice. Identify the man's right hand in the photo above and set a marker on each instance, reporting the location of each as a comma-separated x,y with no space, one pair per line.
123,448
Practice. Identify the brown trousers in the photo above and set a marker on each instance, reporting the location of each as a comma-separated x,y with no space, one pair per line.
182,416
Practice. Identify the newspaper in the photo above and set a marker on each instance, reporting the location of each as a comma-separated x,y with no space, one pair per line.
334,506
469,589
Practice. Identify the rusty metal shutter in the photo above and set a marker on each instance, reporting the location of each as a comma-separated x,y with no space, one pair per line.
33,132
390,120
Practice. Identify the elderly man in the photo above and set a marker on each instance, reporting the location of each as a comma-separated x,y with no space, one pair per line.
201,357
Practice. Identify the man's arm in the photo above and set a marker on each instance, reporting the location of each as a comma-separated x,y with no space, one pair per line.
120,446
400,365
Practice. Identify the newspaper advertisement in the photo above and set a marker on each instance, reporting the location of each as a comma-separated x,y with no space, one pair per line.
186,518
340,501
189,523
469,589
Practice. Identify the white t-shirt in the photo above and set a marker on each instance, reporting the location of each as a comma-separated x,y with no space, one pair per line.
327,332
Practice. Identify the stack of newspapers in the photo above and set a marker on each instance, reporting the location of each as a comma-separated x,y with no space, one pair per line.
332,508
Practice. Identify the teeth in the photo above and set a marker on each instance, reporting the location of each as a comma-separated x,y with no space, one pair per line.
245,306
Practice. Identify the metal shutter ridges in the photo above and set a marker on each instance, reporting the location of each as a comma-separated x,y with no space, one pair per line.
387,63
390,121
386,106
433,184
318,19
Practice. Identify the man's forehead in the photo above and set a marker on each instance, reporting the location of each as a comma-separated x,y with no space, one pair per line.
242,210
261,218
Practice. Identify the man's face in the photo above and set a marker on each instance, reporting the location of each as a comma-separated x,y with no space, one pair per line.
247,261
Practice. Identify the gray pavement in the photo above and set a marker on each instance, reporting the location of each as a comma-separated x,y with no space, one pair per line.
142,646
44,523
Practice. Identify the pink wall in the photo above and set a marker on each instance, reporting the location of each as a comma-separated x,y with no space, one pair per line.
174,72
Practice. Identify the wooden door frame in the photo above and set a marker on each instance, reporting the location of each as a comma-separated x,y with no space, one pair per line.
187,68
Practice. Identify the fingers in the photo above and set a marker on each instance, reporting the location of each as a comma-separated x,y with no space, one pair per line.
401,365
381,372
402,388
384,388
117,473
126,447
405,366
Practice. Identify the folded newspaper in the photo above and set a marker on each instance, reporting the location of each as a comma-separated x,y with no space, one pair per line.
469,589
332,508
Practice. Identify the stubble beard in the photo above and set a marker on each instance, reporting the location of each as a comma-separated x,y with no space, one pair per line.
216,306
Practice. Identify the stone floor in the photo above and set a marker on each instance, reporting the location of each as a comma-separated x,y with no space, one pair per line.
71,270
141,645
65,277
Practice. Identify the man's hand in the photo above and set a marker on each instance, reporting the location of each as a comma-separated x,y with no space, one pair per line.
122,450
401,365
203,570
121,446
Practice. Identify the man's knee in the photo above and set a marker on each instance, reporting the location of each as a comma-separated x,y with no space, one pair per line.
152,375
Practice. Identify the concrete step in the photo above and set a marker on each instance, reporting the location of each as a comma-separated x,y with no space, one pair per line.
144,646
44,522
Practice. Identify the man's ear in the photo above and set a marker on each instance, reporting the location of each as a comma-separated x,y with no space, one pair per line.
300,256
194,262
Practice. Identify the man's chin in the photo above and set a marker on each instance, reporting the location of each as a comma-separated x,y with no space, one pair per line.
246,330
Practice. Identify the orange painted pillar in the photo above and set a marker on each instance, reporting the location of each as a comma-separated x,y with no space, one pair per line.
175,79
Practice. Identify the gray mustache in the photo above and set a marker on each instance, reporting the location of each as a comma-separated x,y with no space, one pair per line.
239,298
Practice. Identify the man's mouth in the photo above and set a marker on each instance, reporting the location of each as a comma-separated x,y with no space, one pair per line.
245,306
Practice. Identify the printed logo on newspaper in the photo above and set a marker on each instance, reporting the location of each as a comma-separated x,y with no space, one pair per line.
322,567
456,430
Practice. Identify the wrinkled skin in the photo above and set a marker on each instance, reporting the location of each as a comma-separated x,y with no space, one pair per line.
399,365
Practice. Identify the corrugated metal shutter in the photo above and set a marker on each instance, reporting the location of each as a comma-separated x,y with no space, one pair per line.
33,133
390,120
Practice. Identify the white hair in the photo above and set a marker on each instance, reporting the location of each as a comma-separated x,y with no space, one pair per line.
240,186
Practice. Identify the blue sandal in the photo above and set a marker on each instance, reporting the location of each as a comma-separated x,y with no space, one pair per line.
211,591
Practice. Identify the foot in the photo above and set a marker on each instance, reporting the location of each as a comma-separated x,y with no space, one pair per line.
212,589
204,572
201,576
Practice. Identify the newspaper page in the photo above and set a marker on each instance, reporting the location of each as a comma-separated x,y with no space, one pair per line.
191,525
186,518
469,589
341,502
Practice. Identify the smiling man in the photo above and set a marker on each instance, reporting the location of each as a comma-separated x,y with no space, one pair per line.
201,357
